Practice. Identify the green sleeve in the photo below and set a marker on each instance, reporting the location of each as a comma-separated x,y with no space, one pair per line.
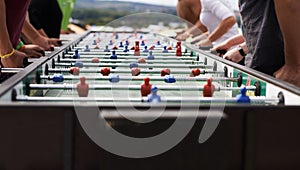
66,9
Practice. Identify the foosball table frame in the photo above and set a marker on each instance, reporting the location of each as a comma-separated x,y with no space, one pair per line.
45,135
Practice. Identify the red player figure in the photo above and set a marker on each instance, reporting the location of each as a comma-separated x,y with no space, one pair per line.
152,47
105,71
75,70
135,71
165,71
178,49
95,60
141,60
132,48
169,48
146,87
209,88
82,88
96,47
137,49
195,72
115,47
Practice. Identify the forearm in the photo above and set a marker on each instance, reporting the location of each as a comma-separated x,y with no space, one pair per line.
29,31
235,40
244,47
222,28
189,10
201,27
288,15
5,45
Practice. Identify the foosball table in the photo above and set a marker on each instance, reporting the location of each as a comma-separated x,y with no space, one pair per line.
140,100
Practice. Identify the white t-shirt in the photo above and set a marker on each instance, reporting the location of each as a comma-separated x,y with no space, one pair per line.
213,12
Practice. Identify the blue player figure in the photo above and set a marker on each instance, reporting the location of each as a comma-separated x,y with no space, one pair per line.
76,55
133,65
158,43
165,50
114,78
127,43
87,49
79,64
170,79
126,49
243,98
58,78
113,57
143,43
145,49
150,56
154,97
94,42
121,44
106,49
111,42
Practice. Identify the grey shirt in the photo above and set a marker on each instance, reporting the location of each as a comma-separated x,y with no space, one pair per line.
263,35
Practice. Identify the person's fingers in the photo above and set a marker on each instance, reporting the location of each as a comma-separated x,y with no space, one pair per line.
226,57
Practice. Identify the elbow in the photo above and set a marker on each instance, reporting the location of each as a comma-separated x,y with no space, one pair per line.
229,22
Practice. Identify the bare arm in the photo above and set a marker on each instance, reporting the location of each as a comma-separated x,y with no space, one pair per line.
29,31
198,29
233,41
189,10
34,37
16,59
5,45
288,15
222,28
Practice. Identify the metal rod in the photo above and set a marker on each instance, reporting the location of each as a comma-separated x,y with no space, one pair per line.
11,70
166,65
127,56
62,70
131,87
120,52
141,78
131,60
200,100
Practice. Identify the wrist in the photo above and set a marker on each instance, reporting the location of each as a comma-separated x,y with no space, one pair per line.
187,33
20,46
242,51
7,55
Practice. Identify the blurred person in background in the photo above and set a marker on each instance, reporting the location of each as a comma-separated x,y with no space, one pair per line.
219,18
189,10
271,31
66,7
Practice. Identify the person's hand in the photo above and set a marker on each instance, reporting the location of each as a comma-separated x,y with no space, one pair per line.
221,48
54,41
34,51
204,43
44,43
233,55
289,73
199,38
14,61
183,36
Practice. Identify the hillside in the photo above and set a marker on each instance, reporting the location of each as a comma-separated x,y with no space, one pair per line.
123,6
95,12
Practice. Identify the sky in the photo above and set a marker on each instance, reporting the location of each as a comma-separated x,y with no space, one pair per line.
157,2
167,2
